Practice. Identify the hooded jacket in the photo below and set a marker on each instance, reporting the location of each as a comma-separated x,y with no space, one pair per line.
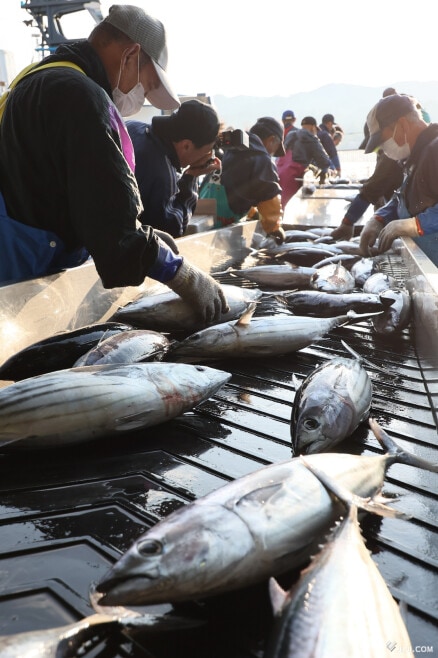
307,149
66,166
249,176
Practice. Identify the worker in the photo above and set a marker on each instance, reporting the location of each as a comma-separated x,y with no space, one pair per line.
397,125
67,166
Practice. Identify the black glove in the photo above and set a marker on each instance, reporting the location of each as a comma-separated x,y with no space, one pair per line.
322,177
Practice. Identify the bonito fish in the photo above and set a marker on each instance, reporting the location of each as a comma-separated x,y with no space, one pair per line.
333,278
167,311
340,606
277,276
127,347
78,639
80,404
398,314
330,403
57,352
252,337
257,526
325,304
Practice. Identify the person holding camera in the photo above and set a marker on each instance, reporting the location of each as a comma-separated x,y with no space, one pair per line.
250,176
170,154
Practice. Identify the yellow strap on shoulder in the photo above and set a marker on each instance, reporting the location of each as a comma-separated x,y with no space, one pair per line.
32,68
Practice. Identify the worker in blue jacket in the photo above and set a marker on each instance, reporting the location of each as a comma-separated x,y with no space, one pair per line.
397,125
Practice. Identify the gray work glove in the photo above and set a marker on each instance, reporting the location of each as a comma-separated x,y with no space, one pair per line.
343,232
368,237
168,239
200,290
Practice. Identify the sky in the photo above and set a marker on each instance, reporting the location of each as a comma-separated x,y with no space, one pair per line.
272,48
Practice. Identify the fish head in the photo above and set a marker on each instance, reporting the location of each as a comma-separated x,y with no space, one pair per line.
320,426
193,552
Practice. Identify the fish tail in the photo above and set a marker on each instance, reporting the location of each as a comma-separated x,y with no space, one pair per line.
374,505
397,453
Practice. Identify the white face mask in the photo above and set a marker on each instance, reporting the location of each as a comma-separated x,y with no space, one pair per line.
393,150
132,102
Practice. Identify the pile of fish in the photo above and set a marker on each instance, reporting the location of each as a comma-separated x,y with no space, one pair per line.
112,378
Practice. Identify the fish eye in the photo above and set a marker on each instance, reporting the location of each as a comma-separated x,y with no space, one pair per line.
311,424
149,547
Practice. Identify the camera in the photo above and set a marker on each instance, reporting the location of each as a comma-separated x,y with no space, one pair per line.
232,139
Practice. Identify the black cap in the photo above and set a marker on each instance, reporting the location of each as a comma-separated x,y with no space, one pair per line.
309,121
267,126
327,118
389,91
194,120
387,111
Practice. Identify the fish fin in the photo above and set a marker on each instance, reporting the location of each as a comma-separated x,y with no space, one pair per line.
365,361
246,316
352,316
350,499
399,455
277,595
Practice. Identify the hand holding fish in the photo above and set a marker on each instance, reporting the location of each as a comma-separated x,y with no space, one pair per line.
369,235
398,228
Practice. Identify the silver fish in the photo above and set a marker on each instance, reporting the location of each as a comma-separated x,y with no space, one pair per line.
127,347
378,282
277,276
167,312
397,316
81,404
257,526
262,336
362,270
325,304
334,278
329,405
340,606
77,639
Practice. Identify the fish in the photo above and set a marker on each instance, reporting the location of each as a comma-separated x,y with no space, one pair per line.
397,316
57,352
82,404
330,404
127,347
260,525
167,312
362,270
334,278
78,638
325,304
348,260
277,276
340,605
378,282
249,337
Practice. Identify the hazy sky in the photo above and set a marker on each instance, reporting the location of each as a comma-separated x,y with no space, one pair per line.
271,48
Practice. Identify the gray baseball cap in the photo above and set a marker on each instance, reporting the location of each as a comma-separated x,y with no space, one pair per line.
149,32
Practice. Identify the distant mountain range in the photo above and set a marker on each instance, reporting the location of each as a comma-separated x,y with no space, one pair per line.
349,104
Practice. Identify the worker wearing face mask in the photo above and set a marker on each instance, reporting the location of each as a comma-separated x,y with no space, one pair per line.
397,126
67,184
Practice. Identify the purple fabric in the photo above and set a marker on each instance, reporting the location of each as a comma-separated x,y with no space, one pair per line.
119,125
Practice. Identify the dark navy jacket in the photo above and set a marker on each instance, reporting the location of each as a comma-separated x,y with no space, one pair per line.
249,176
168,197
65,168
329,146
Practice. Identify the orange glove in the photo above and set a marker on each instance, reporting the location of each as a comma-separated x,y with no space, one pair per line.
271,214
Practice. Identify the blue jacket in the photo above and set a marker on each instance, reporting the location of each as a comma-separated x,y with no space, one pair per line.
249,176
66,168
418,194
168,197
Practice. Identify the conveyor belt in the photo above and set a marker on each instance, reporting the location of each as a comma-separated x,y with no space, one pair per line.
66,515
